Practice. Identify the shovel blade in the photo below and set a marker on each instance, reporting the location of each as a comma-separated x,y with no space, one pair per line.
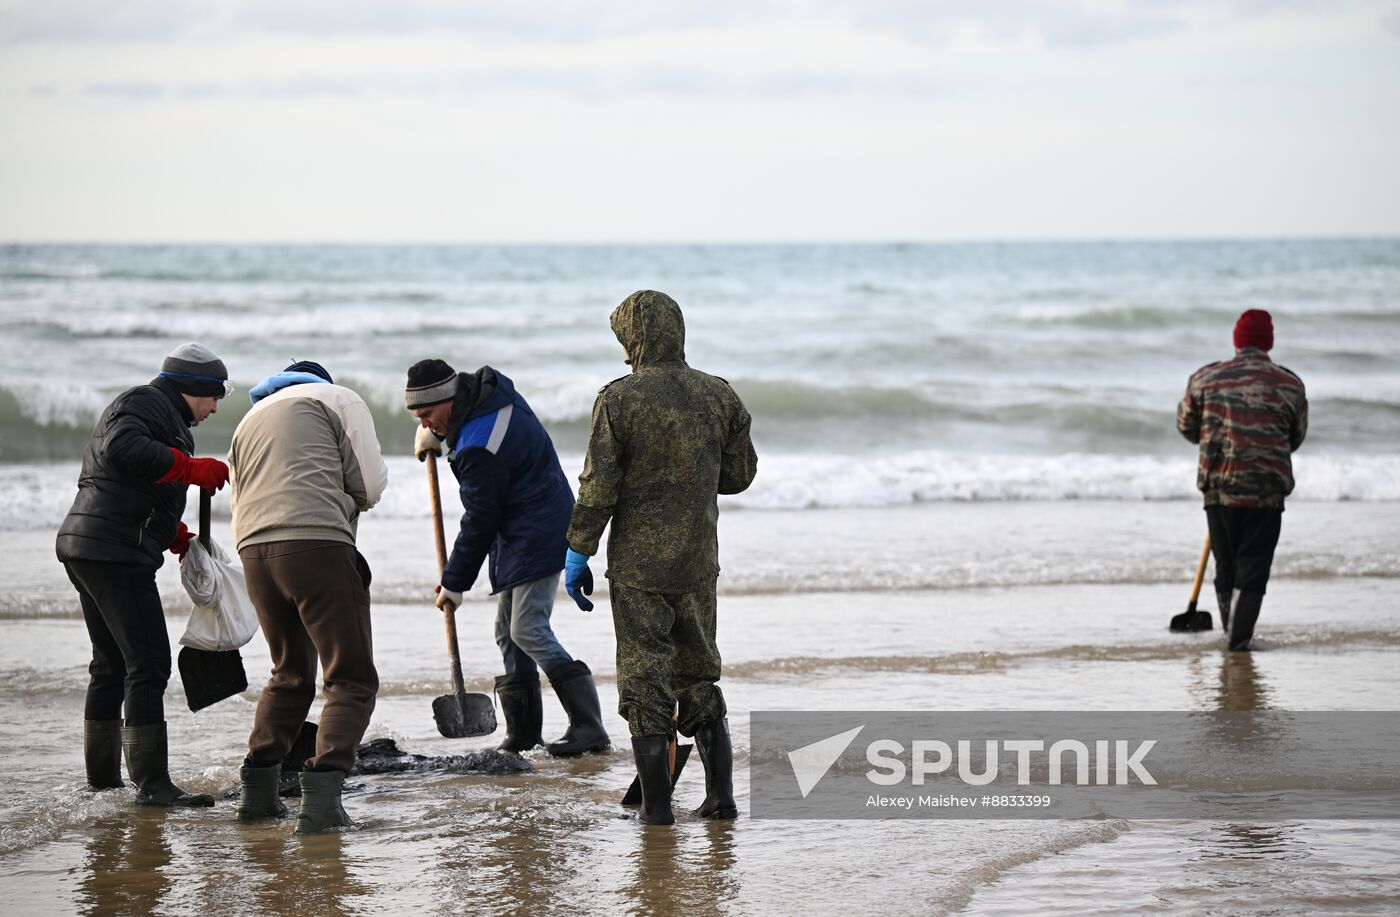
633,796
464,716
210,677
1192,622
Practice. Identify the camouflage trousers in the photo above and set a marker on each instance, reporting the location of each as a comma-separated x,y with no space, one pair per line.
666,654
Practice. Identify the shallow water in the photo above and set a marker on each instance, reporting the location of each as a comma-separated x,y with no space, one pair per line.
556,840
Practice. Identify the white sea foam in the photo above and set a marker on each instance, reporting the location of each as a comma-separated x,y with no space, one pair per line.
37,495
825,481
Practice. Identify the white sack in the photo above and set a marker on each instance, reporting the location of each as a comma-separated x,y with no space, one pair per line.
223,617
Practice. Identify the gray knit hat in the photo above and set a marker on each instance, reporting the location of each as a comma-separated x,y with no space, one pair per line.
194,370
429,382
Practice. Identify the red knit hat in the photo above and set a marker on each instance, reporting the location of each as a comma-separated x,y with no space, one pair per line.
1254,329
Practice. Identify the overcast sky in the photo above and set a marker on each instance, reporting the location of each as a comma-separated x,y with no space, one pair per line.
558,120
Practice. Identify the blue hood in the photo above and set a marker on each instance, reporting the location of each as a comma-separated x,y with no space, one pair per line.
274,384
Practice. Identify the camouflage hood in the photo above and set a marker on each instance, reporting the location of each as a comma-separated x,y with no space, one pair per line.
650,327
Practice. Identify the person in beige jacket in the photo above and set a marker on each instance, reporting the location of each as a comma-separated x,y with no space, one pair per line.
304,463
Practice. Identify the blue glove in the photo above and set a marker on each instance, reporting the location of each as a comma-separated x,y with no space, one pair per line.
578,579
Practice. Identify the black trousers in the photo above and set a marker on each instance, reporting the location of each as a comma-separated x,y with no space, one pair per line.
130,646
1242,540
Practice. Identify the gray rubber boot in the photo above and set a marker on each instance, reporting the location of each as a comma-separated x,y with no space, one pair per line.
258,795
320,802
573,682
717,753
1225,601
652,754
1243,619
147,765
102,754
523,710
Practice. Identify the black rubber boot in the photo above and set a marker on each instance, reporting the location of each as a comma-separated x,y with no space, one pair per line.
320,802
652,754
1225,601
717,753
147,765
258,792
523,709
573,682
1243,619
102,753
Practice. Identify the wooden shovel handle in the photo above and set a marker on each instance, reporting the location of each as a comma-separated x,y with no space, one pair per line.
449,611
1200,572
438,538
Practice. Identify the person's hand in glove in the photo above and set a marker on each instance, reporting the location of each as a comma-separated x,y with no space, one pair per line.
426,442
578,579
181,544
209,473
446,597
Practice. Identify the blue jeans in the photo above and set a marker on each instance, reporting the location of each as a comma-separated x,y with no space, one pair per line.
523,633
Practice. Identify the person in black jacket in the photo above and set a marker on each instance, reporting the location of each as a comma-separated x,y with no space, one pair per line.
517,504
131,495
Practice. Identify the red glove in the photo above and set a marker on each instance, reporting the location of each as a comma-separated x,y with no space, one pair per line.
211,474
182,541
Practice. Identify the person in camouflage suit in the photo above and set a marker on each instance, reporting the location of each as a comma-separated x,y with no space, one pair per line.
665,441
1249,415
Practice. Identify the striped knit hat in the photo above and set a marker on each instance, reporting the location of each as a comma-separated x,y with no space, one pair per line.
429,382
196,371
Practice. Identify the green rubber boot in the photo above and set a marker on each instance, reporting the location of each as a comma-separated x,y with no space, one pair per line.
717,753
102,754
652,755
320,802
147,765
258,792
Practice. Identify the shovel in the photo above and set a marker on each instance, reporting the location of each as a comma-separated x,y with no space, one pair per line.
1192,620
459,714
208,676
678,756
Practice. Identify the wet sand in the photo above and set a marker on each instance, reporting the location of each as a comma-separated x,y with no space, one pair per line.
555,841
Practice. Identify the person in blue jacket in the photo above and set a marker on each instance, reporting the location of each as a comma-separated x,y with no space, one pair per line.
516,505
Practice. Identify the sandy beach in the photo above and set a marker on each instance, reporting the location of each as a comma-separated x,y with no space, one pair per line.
555,841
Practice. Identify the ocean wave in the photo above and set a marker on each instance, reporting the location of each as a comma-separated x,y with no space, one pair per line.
1026,570
36,495
817,481
1119,315
52,420
977,662
1060,838
349,319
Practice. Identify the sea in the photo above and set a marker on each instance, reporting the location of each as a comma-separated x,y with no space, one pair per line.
971,496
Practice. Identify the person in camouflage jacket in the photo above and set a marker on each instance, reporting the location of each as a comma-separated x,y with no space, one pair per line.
665,441
1249,415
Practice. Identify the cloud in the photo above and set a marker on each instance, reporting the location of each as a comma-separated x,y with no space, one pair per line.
127,90
79,20
675,80
1063,23
1391,24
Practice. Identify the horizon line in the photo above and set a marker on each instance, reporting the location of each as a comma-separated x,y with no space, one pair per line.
636,243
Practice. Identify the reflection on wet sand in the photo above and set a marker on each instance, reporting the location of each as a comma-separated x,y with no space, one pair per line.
683,870
1242,688
124,869
292,873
